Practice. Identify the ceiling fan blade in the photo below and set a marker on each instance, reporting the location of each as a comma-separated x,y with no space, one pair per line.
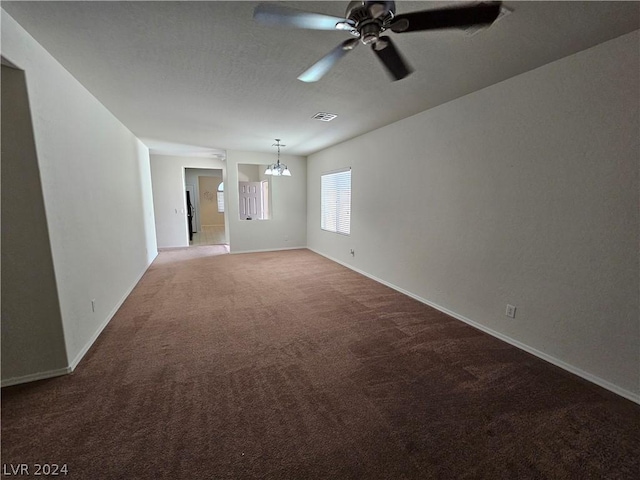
390,57
481,14
272,14
326,63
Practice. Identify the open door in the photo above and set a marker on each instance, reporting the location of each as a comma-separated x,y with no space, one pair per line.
190,214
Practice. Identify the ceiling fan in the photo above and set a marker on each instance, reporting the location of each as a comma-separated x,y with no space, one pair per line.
366,21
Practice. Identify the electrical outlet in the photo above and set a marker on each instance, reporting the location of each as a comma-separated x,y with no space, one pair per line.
353,252
511,311
93,305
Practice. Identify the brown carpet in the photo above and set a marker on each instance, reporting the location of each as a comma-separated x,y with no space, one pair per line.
286,365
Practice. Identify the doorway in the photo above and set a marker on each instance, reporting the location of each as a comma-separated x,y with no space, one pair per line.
206,212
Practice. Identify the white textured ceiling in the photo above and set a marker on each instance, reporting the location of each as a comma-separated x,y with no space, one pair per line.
202,76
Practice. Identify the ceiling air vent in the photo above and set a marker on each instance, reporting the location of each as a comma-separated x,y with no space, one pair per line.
473,29
324,116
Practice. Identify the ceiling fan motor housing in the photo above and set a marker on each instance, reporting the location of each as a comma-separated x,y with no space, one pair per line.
370,18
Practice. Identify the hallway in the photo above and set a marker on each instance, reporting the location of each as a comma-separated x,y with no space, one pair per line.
209,235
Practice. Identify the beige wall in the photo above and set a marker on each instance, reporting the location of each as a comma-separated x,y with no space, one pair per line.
208,193
249,173
191,178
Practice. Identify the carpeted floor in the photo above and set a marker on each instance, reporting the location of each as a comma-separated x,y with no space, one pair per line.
286,365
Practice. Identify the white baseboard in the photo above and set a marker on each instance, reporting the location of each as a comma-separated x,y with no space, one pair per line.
94,337
516,343
32,377
269,250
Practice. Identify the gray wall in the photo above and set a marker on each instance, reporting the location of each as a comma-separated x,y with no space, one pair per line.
525,193
32,335
169,198
96,187
287,226
285,229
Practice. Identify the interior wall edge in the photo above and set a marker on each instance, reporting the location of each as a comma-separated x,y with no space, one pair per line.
500,336
91,167
32,324
8,63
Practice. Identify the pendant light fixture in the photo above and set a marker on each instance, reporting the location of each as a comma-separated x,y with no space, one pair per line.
278,169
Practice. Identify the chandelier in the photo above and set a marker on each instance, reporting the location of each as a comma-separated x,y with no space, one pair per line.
278,169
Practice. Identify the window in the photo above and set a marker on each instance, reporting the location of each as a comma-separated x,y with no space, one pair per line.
221,198
335,202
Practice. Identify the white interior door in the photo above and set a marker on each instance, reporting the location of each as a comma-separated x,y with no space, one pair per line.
250,200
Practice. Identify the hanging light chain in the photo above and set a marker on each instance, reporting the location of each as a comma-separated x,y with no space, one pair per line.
278,168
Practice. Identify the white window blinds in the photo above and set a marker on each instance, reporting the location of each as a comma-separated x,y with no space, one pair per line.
335,202
220,202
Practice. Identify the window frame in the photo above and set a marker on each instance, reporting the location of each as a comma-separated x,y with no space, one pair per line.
336,218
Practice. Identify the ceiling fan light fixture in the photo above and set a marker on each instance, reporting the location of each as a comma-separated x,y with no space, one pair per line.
344,26
369,20
369,33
